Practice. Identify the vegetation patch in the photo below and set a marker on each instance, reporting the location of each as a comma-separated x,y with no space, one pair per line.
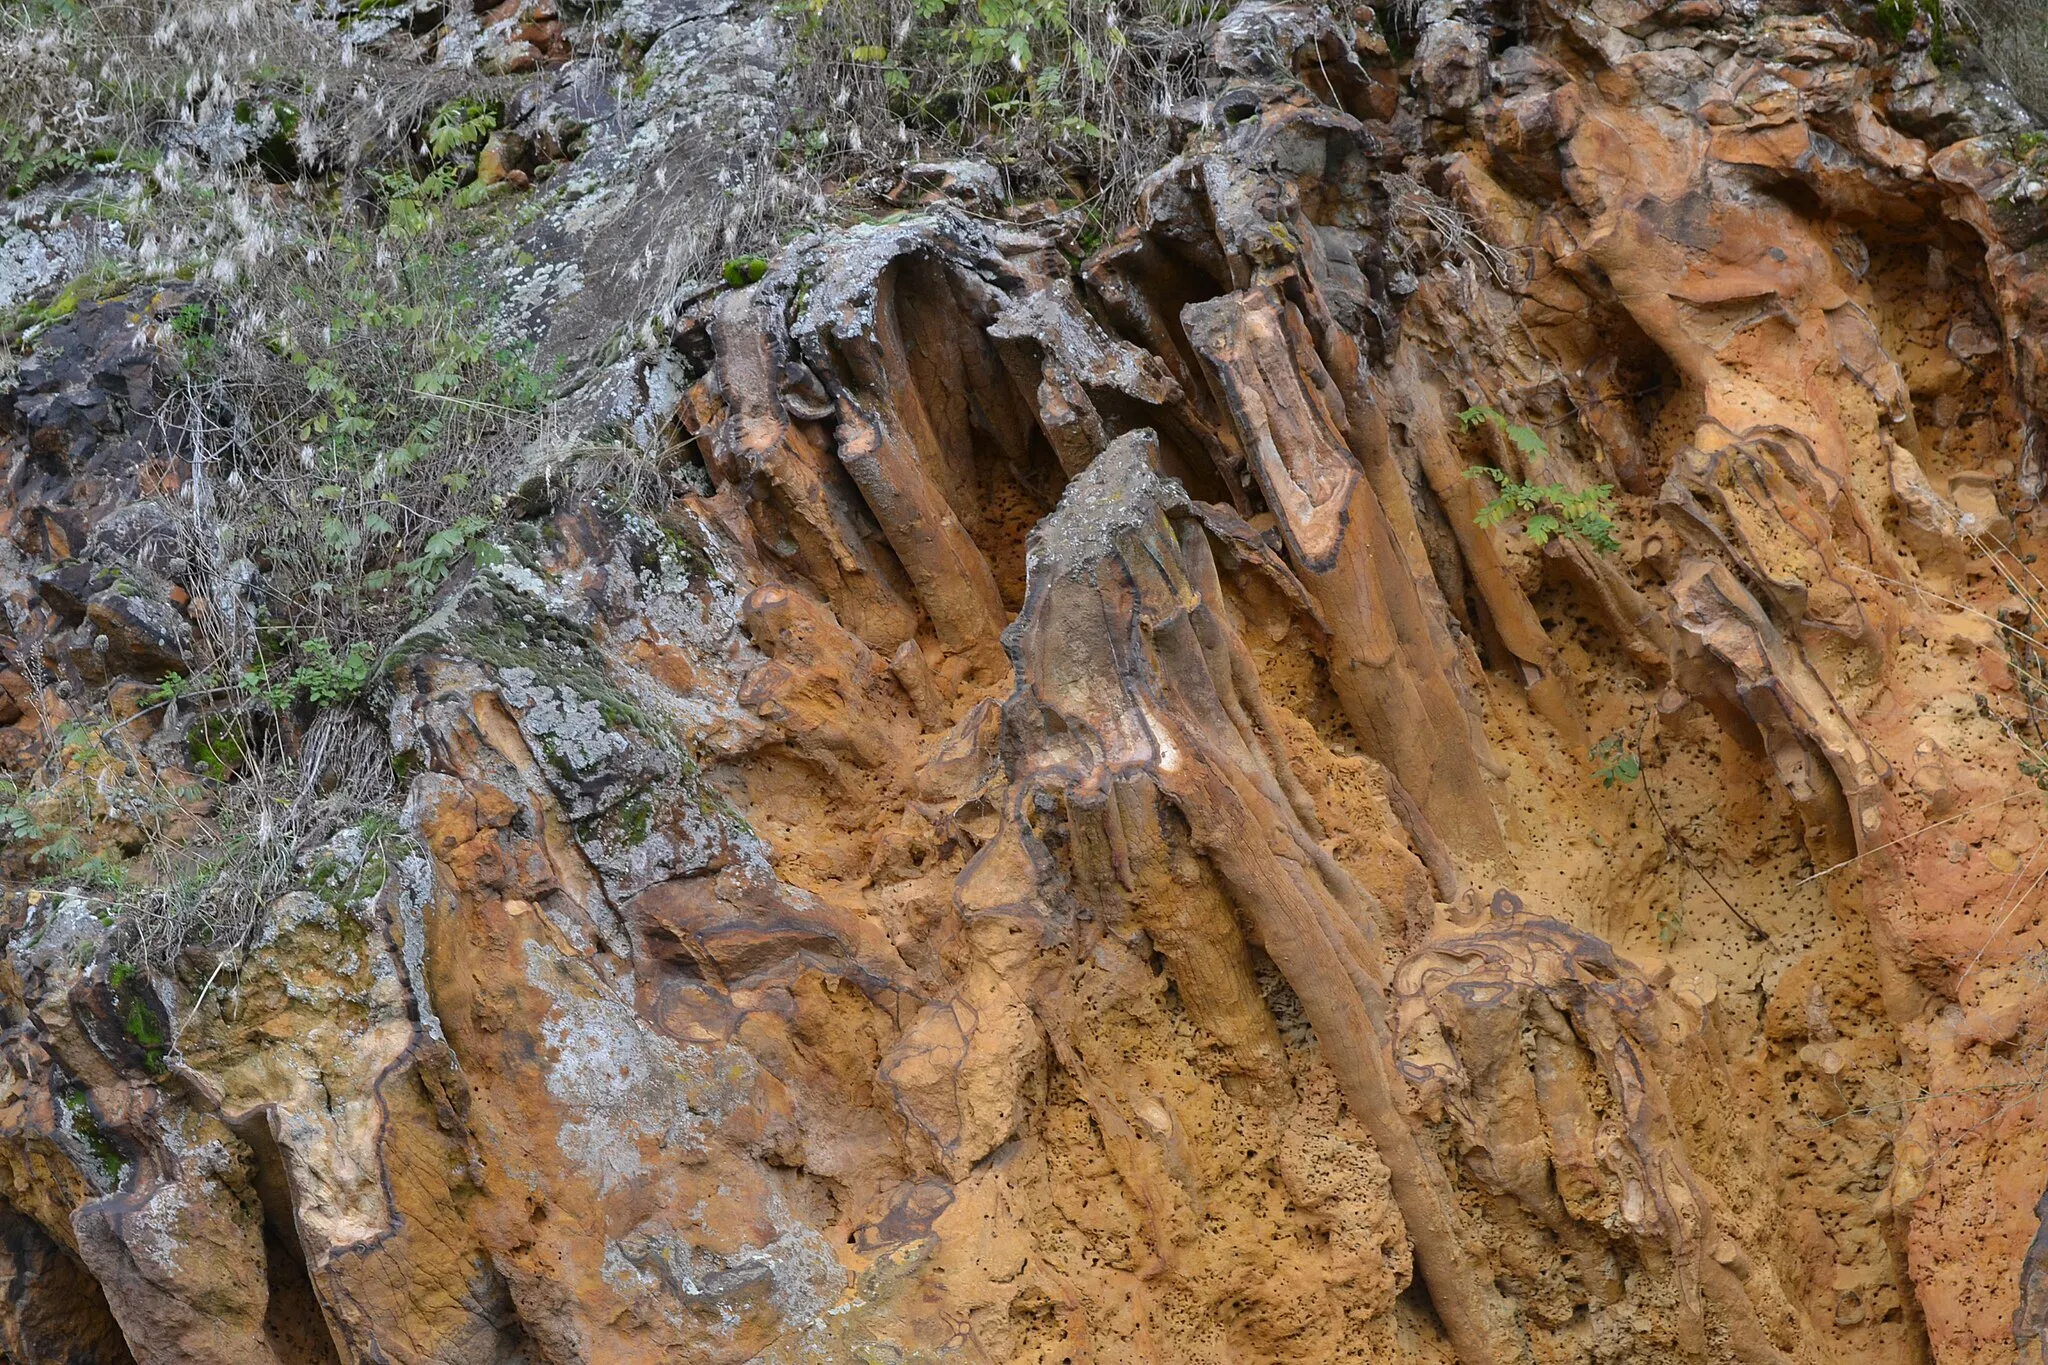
1068,98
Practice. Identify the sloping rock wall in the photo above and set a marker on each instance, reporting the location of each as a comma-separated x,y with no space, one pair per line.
1080,841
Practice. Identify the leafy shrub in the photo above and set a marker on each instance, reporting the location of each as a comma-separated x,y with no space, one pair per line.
1550,510
458,128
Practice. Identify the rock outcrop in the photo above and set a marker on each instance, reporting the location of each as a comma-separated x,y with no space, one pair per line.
1086,836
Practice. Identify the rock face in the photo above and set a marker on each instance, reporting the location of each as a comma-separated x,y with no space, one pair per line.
1079,841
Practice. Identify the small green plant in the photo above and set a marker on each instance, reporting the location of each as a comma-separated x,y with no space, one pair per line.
450,141
29,156
193,325
458,127
1549,509
409,199
1523,438
177,687
57,11
18,823
1670,924
329,679
443,550
1614,762
218,742
742,271
38,826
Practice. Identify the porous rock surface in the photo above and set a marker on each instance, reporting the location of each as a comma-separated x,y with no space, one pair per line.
1077,845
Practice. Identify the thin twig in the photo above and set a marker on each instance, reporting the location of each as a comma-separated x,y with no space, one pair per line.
1908,838
1990,1088
2006,917
1672,841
